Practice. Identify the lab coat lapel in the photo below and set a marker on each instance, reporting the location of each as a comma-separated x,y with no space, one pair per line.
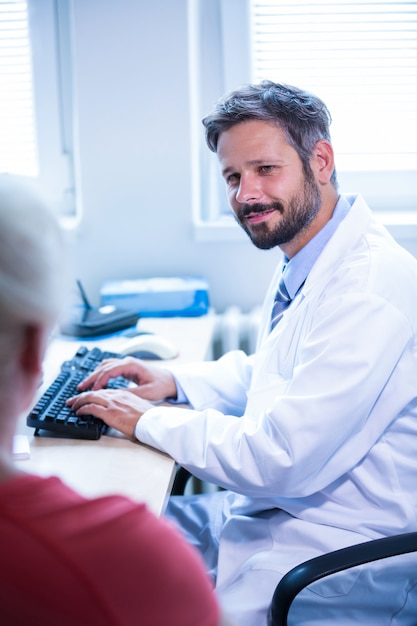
343,239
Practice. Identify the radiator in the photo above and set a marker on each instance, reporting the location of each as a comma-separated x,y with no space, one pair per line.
236,330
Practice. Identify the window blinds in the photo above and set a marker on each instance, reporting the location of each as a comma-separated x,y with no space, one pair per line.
17,131
360,58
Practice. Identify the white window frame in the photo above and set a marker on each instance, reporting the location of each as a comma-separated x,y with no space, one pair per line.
219,52
51,38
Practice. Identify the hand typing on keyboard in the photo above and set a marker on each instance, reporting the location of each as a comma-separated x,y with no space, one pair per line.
91,392
118,408
152,383
122,408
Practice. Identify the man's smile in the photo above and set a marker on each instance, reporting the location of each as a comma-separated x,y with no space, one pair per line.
259,216
258,213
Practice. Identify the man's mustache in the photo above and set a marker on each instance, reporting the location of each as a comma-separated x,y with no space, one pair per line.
251,209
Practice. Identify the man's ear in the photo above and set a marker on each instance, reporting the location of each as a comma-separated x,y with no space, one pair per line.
32,352
323,161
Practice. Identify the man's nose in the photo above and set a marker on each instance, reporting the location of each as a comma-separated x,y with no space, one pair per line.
248,190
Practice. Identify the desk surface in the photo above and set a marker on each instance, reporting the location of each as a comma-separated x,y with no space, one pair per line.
115,464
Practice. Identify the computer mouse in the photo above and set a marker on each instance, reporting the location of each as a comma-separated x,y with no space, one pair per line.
152,347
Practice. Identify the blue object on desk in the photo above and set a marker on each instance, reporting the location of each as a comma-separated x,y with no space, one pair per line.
158,297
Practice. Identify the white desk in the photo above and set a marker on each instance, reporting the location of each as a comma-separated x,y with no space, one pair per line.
114,464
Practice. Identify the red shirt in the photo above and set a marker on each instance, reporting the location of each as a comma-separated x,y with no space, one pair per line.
69,561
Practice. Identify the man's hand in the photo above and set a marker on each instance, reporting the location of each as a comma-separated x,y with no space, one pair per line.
119,408
153,383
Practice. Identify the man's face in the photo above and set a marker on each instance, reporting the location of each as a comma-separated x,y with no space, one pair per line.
271,196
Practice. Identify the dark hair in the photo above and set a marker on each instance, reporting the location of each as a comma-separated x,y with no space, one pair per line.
303,117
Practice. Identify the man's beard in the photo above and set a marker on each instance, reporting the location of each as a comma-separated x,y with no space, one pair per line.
296,216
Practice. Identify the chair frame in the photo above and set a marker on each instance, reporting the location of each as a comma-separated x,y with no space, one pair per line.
319,567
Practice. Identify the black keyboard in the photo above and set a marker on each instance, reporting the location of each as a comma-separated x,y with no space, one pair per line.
51,413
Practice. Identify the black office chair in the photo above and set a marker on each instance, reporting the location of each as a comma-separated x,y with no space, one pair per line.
310,571
322,566
181,479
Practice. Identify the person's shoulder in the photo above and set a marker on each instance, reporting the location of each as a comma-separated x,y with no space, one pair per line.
142,562
37,492
40,498
151,564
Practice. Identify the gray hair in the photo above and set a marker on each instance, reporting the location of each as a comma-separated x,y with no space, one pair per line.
303,117
33,267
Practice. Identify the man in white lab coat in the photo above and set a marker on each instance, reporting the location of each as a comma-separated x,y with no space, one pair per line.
314,437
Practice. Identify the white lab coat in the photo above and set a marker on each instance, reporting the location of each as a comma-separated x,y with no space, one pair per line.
315,436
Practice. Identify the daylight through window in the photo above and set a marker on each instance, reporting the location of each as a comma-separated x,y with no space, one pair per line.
17,129
360,58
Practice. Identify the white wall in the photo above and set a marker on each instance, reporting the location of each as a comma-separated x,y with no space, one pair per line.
132,96
132,105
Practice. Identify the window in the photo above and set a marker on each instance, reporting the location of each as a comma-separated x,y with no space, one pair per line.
17,127
36,134
361,59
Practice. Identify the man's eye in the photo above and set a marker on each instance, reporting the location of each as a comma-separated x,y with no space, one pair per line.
232,179
266,169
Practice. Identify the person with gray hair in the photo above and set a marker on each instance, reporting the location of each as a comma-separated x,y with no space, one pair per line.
312,438
66,560
32,288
